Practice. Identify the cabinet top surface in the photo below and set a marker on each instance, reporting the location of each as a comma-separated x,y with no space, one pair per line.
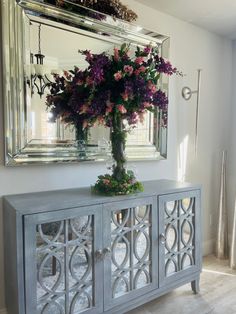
31,203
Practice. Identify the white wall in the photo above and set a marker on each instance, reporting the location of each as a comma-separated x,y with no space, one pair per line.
231,156
191,48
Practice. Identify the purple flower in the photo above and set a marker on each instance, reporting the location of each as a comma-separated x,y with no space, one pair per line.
98,66
133,118
160,99
164,66
86,95
99,103
147,49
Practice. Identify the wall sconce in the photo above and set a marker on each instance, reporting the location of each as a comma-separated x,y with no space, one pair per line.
187,94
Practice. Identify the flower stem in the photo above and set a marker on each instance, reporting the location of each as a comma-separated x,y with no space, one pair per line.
118,139
80,133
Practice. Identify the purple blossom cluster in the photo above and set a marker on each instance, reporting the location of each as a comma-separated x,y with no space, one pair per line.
111,85
98,64
163,66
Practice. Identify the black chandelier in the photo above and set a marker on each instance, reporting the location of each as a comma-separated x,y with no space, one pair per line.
39,78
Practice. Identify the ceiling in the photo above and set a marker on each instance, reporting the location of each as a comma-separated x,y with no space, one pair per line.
218,16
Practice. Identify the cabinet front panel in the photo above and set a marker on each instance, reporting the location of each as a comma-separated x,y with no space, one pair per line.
179,235
63,262
129,239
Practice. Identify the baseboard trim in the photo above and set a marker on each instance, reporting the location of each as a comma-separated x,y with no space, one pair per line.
3,311
208,247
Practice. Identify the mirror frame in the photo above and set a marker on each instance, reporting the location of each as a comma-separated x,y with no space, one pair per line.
12,12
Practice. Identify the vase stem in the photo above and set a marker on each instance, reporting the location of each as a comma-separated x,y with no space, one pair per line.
81,136
80,133
118,139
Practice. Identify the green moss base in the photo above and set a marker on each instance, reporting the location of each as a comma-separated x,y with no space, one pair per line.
108,185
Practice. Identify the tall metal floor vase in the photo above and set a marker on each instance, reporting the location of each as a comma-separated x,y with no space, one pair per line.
233,243
222,235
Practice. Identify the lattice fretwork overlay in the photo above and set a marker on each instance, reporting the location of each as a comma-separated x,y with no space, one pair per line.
130,249
179,233
65,266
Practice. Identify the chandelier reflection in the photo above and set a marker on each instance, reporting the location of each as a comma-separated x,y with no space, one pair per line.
40,78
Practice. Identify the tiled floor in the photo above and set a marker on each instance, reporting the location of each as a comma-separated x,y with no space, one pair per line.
217,295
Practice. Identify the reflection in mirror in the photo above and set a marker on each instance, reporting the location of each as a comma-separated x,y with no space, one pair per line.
64,255
49,45
131,247
170,207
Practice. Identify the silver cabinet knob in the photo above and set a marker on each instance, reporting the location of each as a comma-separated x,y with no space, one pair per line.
162,238
107,251
99,255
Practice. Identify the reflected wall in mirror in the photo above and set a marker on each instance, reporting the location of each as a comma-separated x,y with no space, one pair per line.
40,40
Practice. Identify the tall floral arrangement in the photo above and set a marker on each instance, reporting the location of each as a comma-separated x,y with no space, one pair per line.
114,90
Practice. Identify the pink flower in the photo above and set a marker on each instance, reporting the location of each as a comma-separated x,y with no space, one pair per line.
142,69
100,120
88,55
152,87
128,69
147,49
133,119
79,82
125,96
89,81
122,109
67,75
116,54
118,76
85,124
139,60
84,109
106,181
147,104
109,108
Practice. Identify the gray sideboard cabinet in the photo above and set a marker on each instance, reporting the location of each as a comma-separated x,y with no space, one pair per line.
71,252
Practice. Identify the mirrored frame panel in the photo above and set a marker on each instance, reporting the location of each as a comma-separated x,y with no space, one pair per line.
30,26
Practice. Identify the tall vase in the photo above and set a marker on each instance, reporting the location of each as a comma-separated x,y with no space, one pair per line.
233,243
222,235
81,134
118,140
81,137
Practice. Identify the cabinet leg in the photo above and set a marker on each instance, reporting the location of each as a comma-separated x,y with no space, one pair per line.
195,286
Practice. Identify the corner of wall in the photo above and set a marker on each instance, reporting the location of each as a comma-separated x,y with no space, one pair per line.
208,247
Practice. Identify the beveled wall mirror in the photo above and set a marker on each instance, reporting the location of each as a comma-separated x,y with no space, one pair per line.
30,137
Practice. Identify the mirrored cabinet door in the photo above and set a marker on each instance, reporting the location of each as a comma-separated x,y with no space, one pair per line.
130,262
179,235
62,272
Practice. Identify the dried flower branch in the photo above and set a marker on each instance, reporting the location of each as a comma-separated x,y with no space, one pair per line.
111,7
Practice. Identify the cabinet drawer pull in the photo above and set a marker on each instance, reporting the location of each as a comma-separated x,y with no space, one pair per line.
99,255
162,238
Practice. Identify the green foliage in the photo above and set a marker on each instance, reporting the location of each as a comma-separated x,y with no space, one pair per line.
108,185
